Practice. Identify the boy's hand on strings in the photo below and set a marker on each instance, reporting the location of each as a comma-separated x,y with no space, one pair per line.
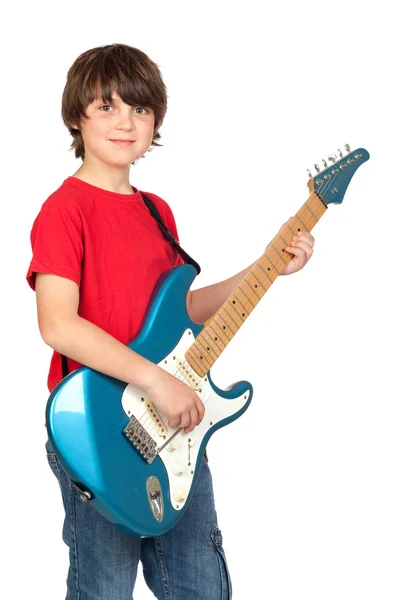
176,400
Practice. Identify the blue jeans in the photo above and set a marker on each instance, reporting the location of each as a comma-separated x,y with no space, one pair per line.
186,563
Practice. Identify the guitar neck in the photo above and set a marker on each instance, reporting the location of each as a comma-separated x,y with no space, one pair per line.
221,328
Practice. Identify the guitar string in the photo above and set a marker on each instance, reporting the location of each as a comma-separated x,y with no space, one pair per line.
145,418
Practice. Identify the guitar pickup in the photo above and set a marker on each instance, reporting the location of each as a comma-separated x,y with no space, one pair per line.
155,417
188,374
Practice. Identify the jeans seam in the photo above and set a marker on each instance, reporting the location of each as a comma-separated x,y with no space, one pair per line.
223,567
163,572
74,539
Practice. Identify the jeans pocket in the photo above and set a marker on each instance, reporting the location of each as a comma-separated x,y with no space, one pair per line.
226,584
52,460
65,482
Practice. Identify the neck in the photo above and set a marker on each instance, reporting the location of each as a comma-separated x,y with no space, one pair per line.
111,179
221,328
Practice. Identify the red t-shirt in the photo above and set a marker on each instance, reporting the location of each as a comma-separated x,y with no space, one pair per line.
111,247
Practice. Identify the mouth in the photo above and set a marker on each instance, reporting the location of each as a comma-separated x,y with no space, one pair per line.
123,142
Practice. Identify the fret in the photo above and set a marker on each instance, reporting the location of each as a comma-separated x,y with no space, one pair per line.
241,290
267,274
278,254
301,226
196,359
306,206
230,316
285,242
214,342
225,322
236,300
224,327
230,304
262,286
215,323
210,345
275,271
259,287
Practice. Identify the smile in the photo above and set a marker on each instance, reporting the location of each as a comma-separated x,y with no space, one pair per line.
123,142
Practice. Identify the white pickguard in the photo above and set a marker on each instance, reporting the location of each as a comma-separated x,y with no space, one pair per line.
181,454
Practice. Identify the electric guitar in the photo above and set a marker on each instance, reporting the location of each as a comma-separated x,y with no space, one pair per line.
113,442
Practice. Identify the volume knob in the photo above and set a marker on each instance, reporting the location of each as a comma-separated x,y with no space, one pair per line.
180,494
172,446
178,468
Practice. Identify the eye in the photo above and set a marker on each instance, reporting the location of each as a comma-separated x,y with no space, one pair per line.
142,108
105,106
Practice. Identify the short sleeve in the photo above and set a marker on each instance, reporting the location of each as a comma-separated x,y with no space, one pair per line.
57,242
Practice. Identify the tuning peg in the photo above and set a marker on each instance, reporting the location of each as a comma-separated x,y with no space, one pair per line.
347,147
309,174
332,157
317,168
324,163
340,153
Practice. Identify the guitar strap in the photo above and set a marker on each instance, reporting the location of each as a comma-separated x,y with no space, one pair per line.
169,237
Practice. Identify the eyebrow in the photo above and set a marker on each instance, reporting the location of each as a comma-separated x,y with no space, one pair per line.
115,99
100,99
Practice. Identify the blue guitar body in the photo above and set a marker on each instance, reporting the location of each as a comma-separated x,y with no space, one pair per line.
140,479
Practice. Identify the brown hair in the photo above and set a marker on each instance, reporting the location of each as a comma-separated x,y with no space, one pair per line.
100,71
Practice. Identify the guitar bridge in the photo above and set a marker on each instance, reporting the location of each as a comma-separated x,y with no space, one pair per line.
141,439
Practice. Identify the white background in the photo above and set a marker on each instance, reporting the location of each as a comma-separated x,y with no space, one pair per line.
307,481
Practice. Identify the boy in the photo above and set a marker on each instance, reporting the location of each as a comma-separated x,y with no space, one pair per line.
97,255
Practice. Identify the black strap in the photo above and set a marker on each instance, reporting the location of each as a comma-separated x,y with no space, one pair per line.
169,237
64,365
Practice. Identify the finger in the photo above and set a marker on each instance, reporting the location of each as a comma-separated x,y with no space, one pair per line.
194,416
298,256
200,409
174,421
305,236
302,247
194,420
185,419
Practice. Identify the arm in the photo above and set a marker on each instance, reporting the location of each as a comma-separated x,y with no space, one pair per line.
66,332
203,303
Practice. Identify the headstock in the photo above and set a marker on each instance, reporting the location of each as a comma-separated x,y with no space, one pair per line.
331,183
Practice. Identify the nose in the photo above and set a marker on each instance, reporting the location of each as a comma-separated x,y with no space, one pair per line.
125,121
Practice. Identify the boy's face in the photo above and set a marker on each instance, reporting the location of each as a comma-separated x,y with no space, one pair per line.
116,134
